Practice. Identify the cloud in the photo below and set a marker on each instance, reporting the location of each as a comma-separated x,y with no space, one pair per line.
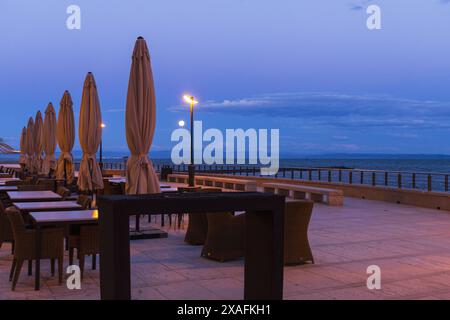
404,135
338,110
339,137
359,5
355,7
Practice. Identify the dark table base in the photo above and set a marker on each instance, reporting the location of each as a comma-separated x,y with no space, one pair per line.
147,234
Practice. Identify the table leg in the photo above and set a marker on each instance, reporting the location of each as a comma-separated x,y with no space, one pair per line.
138,218
37,271
114,253
263,279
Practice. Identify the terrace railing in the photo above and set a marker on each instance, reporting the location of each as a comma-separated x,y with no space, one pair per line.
426,181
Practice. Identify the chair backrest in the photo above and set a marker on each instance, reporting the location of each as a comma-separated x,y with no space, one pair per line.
85,201
17,223
33,187
110,188
46,182
89,239
2,210
63,192
5,226
15,183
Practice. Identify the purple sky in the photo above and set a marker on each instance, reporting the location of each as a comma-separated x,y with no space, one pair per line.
310,68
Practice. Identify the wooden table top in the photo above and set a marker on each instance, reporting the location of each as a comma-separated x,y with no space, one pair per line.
47,205
33,195
8,188
65,217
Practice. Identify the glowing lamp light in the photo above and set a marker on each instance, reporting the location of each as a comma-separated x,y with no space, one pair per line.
181,123
103,125
189,99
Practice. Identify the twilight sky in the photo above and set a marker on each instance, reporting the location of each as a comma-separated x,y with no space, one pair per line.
310,68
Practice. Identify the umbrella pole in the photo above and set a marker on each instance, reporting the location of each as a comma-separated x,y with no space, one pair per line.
65,173
92,192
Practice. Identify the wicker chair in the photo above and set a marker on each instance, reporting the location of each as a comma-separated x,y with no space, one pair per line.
84,238
52,246
5,200
5,226
110,188
87,242
48,183
226,236
85,201
296,245
198,224
34,187
26,181
179,216
63,192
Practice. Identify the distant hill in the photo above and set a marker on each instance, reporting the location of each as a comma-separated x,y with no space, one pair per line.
376,156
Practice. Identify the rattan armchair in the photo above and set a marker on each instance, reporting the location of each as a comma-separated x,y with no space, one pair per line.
26,181
296,221
5,226
85,201
85,238
50,184
225,239
52,246
34,187
112,188
87,242
63,192
198,224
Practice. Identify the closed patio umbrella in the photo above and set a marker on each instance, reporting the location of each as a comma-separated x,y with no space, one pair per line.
23,147
30,145
140,123
49,134
65,134
90,133
38,146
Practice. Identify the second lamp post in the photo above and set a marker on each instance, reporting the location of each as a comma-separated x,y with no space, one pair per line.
191,168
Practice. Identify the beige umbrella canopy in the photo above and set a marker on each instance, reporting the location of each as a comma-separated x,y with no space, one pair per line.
49,144
65,134
90,133
38,147
140,123
23,147
30,145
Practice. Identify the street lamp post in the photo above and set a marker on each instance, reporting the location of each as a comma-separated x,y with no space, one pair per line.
101,147
191,168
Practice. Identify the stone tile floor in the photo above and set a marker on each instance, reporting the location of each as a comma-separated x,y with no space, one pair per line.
411,246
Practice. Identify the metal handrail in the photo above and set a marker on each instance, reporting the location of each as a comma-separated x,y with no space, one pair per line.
428,181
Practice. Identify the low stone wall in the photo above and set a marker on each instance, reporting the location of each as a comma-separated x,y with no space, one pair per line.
418,198
224,182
